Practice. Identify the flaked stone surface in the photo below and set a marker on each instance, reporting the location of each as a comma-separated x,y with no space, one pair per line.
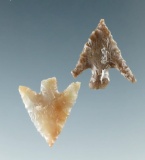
100,54
49,109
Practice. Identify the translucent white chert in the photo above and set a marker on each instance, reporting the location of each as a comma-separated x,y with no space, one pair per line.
49,109
100,54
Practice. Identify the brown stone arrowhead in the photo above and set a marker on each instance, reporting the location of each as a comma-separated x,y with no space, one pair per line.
101,53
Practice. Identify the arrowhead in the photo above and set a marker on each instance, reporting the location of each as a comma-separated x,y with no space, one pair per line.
101,53
49,109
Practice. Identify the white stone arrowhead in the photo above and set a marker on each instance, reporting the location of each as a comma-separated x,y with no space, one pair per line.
49,109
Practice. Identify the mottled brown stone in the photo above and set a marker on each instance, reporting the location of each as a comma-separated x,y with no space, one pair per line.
101,53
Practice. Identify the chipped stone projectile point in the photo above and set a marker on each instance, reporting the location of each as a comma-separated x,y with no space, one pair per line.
100,54
49,109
